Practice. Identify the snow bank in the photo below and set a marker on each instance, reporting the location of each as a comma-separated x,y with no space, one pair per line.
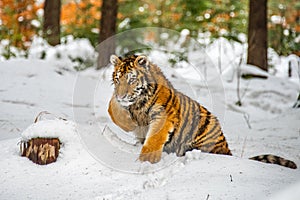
8,51
71,54
64,130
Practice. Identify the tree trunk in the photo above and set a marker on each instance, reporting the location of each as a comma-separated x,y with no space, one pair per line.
51,27
108,22
41,151
257,34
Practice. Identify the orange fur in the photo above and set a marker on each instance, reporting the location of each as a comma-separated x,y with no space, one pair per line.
121,116
164,112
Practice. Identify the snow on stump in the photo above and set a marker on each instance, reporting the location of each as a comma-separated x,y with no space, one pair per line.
41,151
41,141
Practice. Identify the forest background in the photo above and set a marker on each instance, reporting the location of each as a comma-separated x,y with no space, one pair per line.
20,21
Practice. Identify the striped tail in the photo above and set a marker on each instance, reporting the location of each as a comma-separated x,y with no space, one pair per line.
275,160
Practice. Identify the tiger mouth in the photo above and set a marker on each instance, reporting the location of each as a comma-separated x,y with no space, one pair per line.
126,102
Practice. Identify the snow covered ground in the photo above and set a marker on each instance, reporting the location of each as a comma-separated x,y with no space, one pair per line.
94,163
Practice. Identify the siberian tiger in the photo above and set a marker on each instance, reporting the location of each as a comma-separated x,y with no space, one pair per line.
164,119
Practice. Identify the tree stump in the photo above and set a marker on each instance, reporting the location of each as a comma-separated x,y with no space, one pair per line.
41,151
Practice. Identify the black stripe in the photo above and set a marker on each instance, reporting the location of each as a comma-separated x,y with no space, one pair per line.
211,131
154,114
185,118
195,121
210,144
202,128
186,131
168,100
209,137
154,89
147,80
173,97
277,160
181,108
170,137
153,100
153,95
221,142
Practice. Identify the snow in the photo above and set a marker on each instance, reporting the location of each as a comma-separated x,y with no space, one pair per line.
99,161
292,193
64,130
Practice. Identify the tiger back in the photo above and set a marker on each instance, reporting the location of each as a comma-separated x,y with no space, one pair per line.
162,118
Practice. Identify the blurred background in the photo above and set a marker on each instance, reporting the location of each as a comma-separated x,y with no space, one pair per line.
21,21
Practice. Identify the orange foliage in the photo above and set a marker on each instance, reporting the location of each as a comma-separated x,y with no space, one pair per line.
16,18
83,13
292,17
176,16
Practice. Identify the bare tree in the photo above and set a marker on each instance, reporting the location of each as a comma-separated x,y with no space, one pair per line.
257,34
108,23
51,26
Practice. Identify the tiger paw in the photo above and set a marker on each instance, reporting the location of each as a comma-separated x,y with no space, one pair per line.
147,154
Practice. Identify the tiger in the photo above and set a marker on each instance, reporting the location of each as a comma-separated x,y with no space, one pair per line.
162,118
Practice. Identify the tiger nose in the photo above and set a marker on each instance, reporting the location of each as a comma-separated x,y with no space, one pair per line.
121,96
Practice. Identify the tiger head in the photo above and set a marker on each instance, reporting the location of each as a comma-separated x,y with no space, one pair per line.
128,78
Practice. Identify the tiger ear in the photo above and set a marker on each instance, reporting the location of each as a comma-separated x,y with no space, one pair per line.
142,61
115,60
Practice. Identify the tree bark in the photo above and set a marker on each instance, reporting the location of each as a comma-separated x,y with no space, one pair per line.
257,34
51,26
41,151
108,23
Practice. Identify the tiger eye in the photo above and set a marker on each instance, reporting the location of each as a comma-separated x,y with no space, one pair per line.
142,61
132,80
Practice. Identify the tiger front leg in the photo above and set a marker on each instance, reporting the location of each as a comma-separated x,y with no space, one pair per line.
120,116
154,143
